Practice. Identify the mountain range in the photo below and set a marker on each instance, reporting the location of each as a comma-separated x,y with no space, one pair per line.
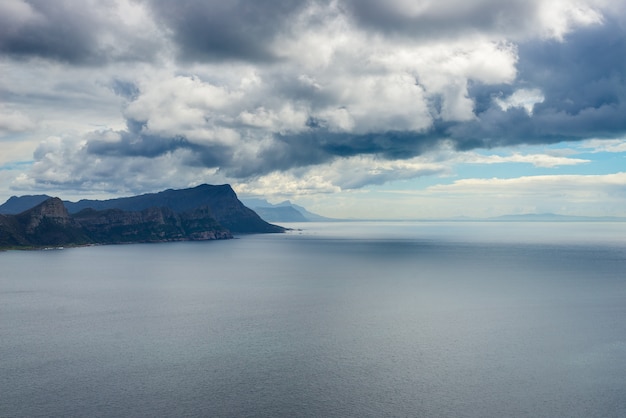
199,213
283,212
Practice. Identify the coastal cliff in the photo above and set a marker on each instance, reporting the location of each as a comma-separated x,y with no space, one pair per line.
47,224
201,213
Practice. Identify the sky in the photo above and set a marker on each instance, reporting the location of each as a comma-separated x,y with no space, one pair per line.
352,108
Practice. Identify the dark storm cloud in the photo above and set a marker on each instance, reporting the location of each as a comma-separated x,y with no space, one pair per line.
55,30
582,79
584,87
585,72
443,18
74,32
132,145
217,30
135,143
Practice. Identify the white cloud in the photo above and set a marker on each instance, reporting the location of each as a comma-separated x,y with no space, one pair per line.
524,98
357,172
558,17
481,198
340,175
605,145
537,160
12,121
573,188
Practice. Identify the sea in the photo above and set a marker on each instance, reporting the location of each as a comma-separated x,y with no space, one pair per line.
342,319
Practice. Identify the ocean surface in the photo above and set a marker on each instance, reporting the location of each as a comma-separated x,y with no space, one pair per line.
387,319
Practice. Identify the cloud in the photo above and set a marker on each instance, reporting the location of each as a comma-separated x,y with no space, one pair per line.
485,197
569,191
245,90
12,121
524,98
516,19
87,32
481,198
213,30
108,173
537,160
343,174
577,188
606,145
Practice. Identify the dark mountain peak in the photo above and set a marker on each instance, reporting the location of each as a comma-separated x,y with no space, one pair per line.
52,207
221,200
51,211
47,224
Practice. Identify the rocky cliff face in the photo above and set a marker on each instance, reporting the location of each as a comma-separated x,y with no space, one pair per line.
49,224
150,225
52,211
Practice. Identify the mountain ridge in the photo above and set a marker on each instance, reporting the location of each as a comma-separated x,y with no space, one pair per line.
49,224
226,208
200,213
284,211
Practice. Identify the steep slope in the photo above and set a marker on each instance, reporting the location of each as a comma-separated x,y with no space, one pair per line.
47,224
221,200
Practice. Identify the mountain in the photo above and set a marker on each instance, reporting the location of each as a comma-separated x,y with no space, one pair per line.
150,225
50,224
283,212
47,224
313,217
222,201
280,214
200,213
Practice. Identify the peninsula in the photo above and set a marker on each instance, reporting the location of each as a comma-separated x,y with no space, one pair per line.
204,212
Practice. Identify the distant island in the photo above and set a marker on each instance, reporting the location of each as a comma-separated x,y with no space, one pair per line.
204,212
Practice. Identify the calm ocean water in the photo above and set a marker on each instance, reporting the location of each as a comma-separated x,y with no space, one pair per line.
432,319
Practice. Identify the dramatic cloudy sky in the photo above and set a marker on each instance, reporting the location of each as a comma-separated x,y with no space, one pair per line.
352,108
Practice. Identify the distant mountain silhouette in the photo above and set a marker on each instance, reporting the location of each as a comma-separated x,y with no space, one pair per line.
283,212
280,214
